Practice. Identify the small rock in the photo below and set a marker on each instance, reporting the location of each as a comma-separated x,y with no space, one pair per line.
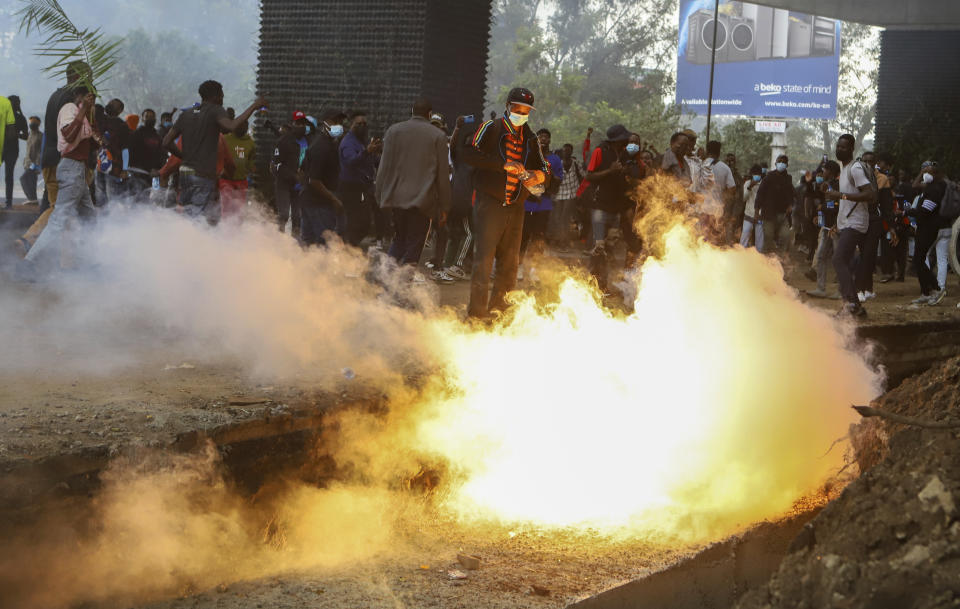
221,588
831,561
918,554
456,574
935,495
540,590
468,561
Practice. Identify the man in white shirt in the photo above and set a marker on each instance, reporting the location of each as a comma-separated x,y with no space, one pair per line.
716,181
856,194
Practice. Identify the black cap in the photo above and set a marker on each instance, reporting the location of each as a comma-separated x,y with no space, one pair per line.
618,133
333,115
520,95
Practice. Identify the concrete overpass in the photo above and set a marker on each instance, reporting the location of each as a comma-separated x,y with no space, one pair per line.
896,14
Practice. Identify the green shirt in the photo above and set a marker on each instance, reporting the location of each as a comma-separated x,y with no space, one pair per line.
244,152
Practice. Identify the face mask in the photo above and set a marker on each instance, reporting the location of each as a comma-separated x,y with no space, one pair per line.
756,178
633,149
167,124
781,167
927,178
877,167
150,124
518,120
336,131
819,179
35,126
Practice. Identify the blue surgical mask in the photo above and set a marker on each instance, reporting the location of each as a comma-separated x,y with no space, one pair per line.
518,120
819,179
336,131
167,124
756,178
781,167
633,149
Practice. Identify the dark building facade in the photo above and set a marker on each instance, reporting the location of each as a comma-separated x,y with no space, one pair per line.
918,97
375,55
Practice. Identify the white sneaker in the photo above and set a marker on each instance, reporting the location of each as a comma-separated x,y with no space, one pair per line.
456,272
937,297
921,300
868,296
429,264
418,278
442,277
861,297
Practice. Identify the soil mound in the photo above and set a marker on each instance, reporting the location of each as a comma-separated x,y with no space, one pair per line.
892,537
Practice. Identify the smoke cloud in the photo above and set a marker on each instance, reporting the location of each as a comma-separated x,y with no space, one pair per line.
711,406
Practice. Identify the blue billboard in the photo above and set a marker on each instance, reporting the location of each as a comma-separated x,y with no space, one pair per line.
769,62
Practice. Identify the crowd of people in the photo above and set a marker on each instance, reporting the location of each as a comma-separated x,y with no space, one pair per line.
490,197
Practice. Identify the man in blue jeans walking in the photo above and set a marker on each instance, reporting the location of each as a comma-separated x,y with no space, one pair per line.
201,127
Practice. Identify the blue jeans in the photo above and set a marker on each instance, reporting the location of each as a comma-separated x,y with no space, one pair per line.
602,221
74,205
315,220
196,195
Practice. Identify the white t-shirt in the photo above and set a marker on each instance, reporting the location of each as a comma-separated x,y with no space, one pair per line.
750,198
66,116
852,177
722,176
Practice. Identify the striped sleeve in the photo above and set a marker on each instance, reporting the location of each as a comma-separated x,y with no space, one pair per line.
929,205
478,136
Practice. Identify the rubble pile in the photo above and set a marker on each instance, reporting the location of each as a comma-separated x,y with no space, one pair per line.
892,538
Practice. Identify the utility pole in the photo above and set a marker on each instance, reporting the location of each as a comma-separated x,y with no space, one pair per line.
713,61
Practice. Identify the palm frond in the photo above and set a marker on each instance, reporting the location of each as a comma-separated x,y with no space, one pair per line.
65,42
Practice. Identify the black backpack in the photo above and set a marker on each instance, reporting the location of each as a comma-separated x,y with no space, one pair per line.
950,205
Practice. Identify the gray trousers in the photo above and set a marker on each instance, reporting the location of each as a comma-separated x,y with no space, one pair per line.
498,230
825,247
843,262
74,204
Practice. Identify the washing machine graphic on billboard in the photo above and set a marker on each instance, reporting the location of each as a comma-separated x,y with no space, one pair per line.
769,61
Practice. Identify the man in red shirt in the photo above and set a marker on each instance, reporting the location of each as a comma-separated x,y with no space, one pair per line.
75,136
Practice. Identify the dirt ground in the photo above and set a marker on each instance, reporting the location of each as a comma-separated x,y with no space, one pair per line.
517,570
892,538
150,403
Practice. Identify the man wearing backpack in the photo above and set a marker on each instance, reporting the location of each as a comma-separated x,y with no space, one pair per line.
933,229
857,192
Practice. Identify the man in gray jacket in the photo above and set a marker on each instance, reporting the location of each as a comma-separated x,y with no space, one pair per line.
414,181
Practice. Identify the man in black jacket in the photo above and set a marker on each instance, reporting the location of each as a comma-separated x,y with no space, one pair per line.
774,197
508,163
288,161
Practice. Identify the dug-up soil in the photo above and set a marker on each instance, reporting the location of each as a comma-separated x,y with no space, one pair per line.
892,538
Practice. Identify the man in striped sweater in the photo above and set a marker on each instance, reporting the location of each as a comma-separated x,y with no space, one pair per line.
509,165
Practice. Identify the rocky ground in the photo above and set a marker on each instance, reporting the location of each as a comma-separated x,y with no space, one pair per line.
892,538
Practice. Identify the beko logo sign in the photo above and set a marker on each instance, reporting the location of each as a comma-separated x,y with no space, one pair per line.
765,89
753,49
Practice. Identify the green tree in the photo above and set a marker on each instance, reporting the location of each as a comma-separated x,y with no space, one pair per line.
590,63
741,138
151,75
